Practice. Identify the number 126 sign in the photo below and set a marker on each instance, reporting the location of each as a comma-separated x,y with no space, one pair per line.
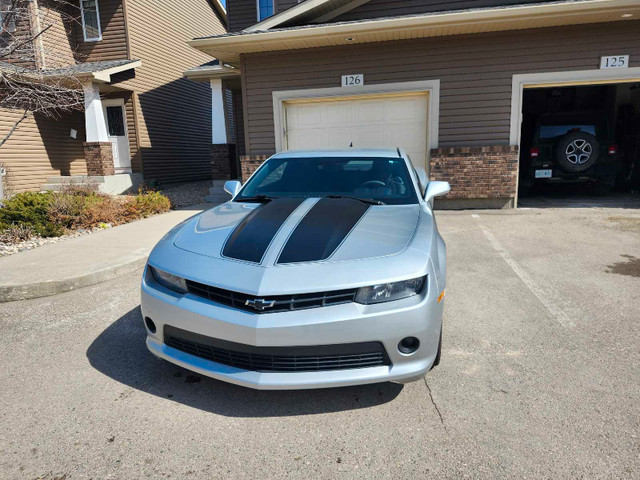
355,80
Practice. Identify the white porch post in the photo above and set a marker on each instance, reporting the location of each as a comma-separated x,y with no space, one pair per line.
218,121
95,125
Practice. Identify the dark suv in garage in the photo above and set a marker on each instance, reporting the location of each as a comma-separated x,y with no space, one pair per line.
571,147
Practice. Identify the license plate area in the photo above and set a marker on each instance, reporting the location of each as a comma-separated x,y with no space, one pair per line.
543,173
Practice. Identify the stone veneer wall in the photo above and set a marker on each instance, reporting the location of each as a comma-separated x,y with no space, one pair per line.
99,158
477,172
249,164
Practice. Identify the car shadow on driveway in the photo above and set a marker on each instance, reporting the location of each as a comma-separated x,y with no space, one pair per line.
120,353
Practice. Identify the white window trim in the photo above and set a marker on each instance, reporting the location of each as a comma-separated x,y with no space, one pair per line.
84,29
431,87
273,6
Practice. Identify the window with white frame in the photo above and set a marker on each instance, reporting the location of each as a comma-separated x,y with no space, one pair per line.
265,9
90,20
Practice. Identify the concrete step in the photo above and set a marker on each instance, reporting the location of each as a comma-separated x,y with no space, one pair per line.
76,179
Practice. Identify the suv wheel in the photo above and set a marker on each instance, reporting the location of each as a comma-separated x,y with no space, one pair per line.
577,151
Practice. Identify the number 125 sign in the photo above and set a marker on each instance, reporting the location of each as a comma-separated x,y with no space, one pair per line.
615,61
355,80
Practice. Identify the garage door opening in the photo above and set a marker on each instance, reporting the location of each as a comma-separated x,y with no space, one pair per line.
367,121
580,145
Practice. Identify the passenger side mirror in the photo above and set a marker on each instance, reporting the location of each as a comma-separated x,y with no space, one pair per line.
435,189
232,187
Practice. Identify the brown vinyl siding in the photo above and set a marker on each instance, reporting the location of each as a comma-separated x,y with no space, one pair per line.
475,73
113,45
282,5
41,147
241,14
389,8
58,39
173,113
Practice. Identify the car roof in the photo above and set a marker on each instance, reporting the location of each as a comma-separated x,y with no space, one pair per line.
347,152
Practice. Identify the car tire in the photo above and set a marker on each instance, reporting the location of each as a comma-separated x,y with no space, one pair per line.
577,152
436,362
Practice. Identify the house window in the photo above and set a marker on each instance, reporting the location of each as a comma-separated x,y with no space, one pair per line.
7,17
90,20
265,9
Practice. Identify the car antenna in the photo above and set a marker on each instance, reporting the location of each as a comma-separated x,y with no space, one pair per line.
351,145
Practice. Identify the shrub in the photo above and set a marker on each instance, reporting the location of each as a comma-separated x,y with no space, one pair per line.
16,233
150,203
30,209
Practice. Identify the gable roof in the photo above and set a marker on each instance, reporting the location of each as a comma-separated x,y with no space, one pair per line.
230,46
309,11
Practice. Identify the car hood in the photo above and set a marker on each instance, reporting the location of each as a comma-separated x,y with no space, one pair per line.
299,231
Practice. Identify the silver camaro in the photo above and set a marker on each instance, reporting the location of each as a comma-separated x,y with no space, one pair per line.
325,269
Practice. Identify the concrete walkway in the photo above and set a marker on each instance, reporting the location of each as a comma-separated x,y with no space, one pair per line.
87,260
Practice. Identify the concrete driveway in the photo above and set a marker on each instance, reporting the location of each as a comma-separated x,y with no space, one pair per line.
540,377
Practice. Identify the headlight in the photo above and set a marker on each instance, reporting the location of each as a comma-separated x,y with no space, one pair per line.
388,292
172,282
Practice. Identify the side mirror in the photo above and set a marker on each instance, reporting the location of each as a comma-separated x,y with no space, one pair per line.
435,189
232,187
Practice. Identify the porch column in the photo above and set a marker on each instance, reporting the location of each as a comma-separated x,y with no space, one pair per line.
222,152
98,151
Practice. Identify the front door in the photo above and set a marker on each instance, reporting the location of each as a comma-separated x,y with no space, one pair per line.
114,115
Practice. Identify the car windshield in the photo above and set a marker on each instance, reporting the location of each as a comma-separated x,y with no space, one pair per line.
380,180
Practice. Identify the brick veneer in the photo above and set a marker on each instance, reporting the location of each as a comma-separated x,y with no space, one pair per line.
223,158
99,158
249,164
477,172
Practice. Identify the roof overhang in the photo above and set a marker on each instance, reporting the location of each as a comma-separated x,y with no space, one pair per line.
222,11
104,75
228,48
212,70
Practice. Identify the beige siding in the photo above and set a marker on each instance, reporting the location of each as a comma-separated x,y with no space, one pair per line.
475,73
173,113
58,38
388,8
113,45
41,147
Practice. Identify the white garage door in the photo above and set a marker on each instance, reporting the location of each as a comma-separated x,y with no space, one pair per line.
366,122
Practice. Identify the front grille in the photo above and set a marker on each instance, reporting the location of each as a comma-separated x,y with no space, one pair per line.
277,359
282,302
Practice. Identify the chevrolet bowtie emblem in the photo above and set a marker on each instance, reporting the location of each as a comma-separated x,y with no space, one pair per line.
260,303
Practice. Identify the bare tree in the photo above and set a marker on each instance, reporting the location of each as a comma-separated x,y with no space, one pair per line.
36,59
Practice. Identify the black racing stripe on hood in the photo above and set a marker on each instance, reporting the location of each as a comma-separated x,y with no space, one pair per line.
252,236
322,230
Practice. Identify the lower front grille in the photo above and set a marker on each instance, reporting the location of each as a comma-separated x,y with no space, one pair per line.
277,359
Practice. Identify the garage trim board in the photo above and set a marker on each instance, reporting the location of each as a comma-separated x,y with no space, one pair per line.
429,88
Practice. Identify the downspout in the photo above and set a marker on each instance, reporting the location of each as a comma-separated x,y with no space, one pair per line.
36,28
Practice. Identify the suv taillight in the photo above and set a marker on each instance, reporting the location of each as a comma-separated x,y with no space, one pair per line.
534,152
613,149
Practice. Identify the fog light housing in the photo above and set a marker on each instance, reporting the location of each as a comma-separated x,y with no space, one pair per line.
150,325
408,345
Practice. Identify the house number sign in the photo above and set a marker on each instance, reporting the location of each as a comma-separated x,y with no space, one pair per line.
354,80
615,61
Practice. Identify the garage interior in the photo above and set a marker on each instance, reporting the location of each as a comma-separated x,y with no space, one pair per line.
616,107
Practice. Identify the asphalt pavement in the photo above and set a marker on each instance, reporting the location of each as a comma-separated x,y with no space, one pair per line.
539,377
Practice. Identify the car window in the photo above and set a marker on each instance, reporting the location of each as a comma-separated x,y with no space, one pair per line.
552,131
384,179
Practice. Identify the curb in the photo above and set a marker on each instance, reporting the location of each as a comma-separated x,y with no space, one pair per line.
26,291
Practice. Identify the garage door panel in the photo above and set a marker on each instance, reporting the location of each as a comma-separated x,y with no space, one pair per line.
391,121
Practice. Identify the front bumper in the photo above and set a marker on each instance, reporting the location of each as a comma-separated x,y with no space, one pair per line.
419,316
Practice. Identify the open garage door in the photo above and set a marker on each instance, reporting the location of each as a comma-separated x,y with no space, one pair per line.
580,145
397,120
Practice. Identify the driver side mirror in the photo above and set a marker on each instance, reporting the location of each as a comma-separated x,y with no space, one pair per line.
435,189
232,187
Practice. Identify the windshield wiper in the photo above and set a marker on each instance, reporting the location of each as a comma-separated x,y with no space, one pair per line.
368,201
256,199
